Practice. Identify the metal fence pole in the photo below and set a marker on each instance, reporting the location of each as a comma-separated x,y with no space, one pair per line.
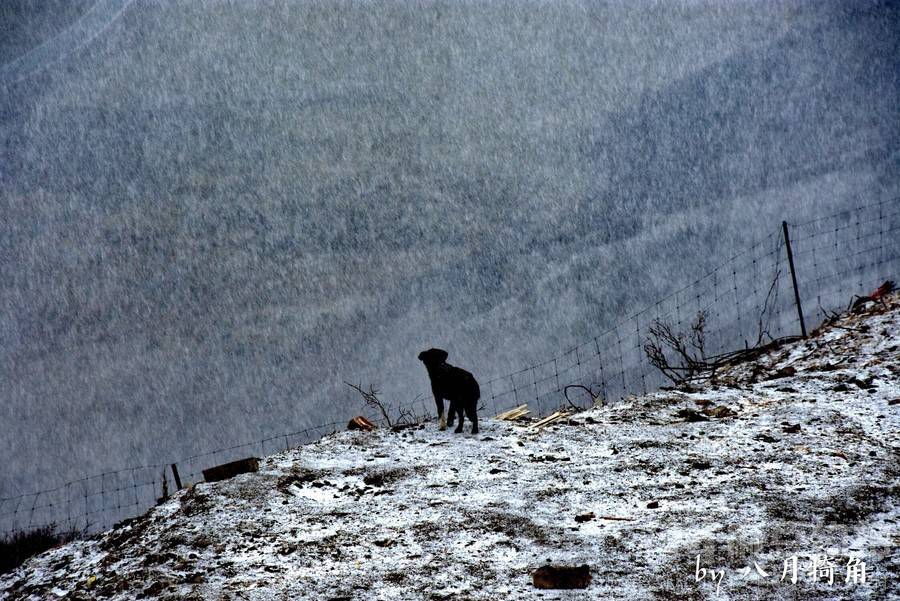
176,476
790,256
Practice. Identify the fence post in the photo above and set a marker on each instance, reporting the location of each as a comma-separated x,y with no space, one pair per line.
790,255
176,476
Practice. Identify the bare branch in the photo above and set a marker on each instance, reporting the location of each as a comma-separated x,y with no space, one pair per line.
690,355
405,415
371,399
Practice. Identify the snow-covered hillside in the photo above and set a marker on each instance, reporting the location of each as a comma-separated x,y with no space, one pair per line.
793,455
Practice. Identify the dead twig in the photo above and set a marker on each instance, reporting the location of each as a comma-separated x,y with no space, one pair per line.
690,353
405,416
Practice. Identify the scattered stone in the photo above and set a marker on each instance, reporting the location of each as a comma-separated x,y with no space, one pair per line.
154,589
232,469
719,411
862,383
374,480
894,401
360,423
561,577
784,372
653,505
791,429
547,458
689,415
585,517
296,478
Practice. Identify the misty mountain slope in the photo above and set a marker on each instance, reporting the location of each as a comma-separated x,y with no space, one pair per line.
688,143
803,459
227,209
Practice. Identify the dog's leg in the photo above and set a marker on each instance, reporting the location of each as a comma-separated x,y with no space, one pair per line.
442,423
459,411
451,415
472,415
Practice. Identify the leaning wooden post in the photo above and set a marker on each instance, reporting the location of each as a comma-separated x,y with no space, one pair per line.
176,476
790,255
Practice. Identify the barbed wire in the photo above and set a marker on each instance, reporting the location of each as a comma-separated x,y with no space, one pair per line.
744,299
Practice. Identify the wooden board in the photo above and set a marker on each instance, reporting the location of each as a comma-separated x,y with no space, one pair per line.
557,415
513,414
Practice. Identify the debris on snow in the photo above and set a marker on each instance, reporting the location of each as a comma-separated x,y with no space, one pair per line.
514,414
561,577
360,423
231,469
747,478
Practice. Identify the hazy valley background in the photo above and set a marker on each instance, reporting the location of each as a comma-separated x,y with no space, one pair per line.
214,213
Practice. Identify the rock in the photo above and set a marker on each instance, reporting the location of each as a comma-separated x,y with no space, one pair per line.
154,589
585,517
719,411
374,480
791,429
894,401
561,577
360,423
784,372
296,478
690,415
230,470
862,383
653,505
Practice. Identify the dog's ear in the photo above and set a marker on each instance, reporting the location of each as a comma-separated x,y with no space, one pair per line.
433,356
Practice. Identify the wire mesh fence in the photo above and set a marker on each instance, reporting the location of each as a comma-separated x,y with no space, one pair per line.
745,302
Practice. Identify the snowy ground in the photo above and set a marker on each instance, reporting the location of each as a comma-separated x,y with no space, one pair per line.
806,465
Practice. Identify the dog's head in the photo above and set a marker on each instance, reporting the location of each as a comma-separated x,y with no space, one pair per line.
433,356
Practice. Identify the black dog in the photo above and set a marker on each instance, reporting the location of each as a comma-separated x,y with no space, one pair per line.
454,384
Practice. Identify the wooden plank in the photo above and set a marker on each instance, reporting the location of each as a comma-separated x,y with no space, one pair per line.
557,415
508,412
512,414
518,414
